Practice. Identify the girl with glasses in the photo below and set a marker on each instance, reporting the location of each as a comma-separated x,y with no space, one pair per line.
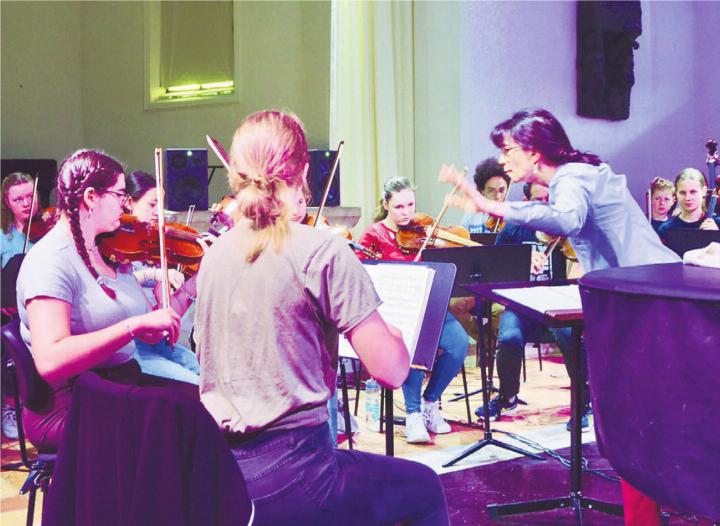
77,311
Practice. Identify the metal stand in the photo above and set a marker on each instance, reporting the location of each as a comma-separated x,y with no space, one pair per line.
488,439
575,500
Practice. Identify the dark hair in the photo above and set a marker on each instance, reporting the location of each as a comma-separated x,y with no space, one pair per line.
391,187
138,183
79,171
527,190
488,169
14,179
539,131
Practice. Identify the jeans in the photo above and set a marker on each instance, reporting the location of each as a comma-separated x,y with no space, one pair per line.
454,343
176,363
296,477
515,331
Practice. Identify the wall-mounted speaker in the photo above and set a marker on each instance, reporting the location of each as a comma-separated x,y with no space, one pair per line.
186,178
321,162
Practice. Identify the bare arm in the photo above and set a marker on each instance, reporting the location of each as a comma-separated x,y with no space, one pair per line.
60,355
381,348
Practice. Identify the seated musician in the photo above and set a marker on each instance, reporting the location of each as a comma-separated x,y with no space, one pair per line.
492,182
17,192
690,190
662,199
273,297
161,359
397,209
516,330
77,311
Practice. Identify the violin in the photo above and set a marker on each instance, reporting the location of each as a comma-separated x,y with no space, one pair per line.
222,215
495,224
42,223
414,235
138,241
553,242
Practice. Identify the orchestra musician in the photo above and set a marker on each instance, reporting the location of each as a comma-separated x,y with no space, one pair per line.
160,359
516,330
77,311
273,297
397,209
588,203
690,190
662,199
492,182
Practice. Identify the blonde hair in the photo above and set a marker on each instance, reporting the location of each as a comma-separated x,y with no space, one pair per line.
693,174
14,179
659,183
268,156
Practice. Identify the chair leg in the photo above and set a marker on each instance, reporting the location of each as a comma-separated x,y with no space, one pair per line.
31,505
524,367
467,397
539,350
358,379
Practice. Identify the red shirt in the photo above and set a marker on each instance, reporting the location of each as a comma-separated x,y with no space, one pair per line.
380,239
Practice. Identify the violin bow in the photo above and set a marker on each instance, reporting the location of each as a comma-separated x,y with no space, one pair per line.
434,226
32,209
712,162
329,182
161,227
219,151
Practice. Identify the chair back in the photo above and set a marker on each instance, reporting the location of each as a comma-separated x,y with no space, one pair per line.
34,391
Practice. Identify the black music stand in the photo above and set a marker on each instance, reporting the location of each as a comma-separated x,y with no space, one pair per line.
680,240
553,318
429,337
477,265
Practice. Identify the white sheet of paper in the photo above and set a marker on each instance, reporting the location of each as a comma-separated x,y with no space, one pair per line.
404,291
543,299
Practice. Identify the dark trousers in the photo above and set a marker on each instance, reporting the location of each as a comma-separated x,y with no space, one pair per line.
515,331
296,477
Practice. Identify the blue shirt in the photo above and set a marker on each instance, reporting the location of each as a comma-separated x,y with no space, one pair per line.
592,206
475,223
12,244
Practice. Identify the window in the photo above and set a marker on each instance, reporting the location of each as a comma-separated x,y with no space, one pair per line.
190,53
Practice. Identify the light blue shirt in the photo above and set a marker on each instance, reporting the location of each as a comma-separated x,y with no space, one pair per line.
12,244
593,207
475,222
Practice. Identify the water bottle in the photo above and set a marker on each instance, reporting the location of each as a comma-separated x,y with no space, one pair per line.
372,405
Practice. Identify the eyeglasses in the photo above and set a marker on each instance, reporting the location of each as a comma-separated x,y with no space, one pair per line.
505,152
121,196
491,193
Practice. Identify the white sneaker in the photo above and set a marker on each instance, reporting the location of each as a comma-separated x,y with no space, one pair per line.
9,422
434,421
415,431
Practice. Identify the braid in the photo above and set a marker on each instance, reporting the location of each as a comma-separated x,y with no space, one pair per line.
69,193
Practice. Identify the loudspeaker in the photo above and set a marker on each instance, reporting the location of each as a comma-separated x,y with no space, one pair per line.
321,162
186,178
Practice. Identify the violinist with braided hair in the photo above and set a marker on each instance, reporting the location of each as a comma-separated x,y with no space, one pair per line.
78,312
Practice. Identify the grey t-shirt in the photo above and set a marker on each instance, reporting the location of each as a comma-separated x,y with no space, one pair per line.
267,332
54,269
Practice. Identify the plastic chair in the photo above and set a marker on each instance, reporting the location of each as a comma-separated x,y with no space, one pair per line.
30,391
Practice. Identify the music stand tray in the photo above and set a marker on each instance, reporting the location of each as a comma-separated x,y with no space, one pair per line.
575,500
680,240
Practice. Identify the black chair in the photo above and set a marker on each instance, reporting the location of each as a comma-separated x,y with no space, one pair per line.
143,456
30,391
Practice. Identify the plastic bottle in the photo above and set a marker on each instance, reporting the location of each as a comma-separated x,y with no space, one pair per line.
372,405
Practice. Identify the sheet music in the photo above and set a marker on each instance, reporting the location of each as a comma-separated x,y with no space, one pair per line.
404,291
543,299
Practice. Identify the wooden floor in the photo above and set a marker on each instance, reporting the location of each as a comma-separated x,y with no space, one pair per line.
543,419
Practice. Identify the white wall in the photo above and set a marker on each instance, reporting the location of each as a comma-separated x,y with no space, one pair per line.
82,68
518,54
41,79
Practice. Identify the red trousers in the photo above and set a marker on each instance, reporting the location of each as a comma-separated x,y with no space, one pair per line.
640,510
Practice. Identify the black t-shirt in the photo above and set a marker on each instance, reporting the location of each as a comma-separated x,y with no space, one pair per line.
676,222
